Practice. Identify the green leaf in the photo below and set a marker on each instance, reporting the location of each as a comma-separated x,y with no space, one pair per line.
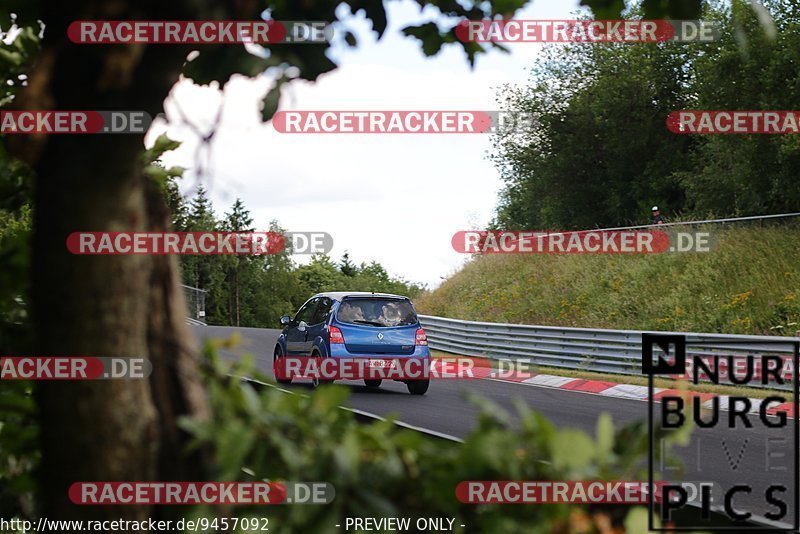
176,171
429,36
605,9
269,106
217,65
605,436
672,9
572,449
637,520
329,397
162,145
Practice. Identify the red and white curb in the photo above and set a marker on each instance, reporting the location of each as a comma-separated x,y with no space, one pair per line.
625,391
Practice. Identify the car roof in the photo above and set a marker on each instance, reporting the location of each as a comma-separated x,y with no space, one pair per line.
339,295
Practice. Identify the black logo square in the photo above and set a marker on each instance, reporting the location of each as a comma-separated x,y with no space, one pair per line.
663,342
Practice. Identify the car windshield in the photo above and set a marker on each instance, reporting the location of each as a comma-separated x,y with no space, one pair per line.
377,312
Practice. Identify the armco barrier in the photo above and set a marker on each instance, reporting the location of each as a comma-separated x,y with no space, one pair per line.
590,349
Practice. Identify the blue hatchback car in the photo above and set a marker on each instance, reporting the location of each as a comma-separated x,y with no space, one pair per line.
355,325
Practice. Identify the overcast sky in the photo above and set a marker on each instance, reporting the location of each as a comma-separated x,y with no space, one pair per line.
396,199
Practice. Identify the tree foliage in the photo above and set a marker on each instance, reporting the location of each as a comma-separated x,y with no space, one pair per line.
379,470
118,306
19,431
601,154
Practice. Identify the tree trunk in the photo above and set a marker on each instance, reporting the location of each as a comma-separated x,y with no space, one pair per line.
236,277
106,306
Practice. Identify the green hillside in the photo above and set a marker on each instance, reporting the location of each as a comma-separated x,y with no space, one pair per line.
748,284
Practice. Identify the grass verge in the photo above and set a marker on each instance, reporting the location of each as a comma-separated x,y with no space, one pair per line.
747,284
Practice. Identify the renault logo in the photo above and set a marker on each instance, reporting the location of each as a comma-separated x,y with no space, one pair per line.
380,335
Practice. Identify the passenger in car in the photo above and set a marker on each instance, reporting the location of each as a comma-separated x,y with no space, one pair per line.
391,314
350,313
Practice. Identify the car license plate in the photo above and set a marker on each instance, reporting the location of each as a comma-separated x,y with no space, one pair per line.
380,363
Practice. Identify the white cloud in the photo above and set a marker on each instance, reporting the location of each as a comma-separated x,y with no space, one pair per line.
397,199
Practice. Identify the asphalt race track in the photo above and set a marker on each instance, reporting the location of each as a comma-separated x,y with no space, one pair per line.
444,409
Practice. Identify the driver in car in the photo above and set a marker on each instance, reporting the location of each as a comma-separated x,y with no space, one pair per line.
391,314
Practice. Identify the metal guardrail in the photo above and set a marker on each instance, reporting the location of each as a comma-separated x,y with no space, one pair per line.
589,349
752,218
195,304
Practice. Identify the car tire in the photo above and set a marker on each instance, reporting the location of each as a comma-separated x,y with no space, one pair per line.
317,382
275,359
418,387
373,383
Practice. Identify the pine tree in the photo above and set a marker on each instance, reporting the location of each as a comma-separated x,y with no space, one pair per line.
237,220
346,266
201,213
176,204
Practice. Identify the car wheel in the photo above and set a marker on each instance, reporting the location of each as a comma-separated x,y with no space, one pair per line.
418,387
279,373
316,381
373,383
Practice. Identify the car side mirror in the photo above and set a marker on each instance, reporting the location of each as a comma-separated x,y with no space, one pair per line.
285,320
